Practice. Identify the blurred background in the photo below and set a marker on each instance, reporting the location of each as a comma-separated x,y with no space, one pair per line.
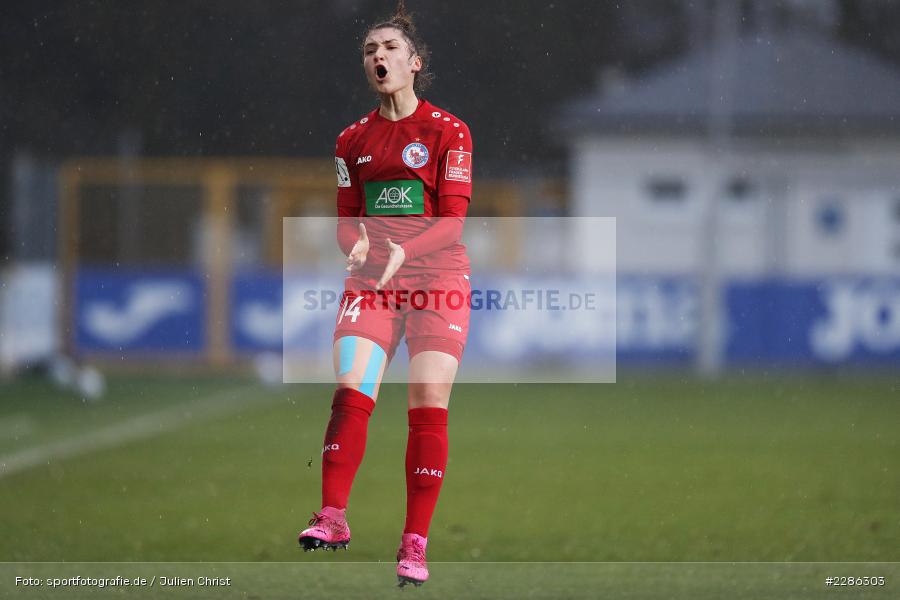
748,150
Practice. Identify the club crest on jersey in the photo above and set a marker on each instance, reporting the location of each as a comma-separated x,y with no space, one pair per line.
415,155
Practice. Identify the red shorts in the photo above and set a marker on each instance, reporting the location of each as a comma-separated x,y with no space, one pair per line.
430,309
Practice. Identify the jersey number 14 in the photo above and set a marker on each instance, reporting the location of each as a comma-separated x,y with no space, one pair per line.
350,309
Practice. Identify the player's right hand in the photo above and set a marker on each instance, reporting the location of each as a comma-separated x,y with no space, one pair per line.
357,257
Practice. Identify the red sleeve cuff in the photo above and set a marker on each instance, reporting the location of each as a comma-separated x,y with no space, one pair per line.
445,231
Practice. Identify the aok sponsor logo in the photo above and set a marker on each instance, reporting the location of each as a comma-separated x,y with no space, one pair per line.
400,197
394,196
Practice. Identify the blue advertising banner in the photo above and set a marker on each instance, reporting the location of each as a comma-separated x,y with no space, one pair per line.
633,319
542,320
256,309
835,320
515,319
142,311
268,315
656,319
826,321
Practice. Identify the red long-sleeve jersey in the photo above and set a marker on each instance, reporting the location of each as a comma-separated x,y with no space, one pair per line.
400,176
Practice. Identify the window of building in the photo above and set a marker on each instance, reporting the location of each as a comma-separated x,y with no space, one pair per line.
667,190
740,189
830,217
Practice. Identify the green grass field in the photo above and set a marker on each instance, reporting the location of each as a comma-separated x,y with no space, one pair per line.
647,470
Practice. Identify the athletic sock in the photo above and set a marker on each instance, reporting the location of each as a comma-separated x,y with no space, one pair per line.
345,445
426,462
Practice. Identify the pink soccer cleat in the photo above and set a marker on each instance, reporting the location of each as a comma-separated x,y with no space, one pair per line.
411,565
327,529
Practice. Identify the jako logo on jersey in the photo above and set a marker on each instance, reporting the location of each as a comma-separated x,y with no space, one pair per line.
455,327
363,159
331,447
415,155
394,195
426,471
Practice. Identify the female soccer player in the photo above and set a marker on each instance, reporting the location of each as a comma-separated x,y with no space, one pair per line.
404,184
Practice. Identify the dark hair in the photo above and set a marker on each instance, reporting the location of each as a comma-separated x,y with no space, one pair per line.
403,22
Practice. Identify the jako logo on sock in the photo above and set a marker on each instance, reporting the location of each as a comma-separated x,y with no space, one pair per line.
330,447
433,472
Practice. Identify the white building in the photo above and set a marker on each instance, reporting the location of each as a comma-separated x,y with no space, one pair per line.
807,180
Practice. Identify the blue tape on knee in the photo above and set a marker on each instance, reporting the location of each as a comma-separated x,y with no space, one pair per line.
347,352
370,377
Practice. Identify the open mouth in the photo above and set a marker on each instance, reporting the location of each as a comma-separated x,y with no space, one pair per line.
381,72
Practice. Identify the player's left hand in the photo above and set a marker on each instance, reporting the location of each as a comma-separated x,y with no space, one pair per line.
395,259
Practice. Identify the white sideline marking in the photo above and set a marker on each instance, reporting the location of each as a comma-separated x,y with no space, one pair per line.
129,430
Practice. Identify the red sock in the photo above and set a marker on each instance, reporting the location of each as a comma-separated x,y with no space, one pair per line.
345,444
426,462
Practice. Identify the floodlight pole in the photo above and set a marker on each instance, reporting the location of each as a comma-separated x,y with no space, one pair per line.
711,325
